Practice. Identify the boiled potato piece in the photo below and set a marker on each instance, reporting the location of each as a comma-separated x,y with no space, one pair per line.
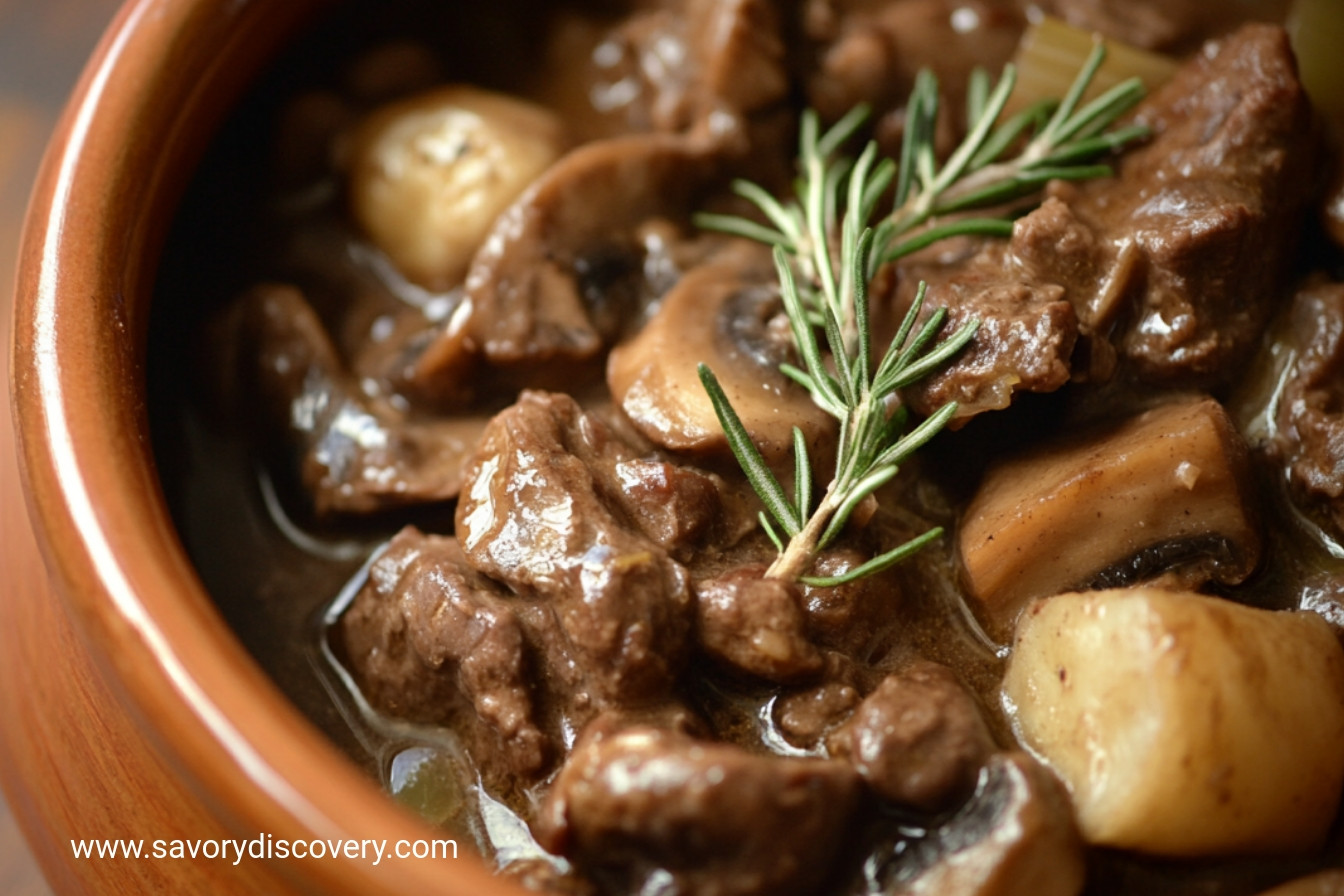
430,174
1183,725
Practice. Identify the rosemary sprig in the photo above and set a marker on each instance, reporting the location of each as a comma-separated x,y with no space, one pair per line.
873,441
1061,140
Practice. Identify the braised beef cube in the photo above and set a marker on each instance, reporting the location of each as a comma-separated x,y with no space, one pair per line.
756,625
1173,26
854,616
1212,203
870,52
542,511
676,507
804,717
647,805
918,740
1052,244
1309,437
1024,342
429,639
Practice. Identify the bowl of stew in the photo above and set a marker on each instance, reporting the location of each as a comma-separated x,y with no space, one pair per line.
693,447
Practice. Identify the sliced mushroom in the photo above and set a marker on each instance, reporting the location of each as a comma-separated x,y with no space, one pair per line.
1015,837
719,314
657,810
1165,491
1184,725
545,285
356,453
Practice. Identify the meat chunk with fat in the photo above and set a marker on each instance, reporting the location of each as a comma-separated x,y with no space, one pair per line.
1210,204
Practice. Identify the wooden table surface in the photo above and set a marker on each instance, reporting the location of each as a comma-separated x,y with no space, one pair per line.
43,45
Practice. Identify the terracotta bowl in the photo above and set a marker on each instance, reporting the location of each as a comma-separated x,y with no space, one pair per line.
140,716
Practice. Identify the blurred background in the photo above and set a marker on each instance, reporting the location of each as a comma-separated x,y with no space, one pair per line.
43,46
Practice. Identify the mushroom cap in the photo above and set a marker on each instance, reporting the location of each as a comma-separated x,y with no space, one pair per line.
718,314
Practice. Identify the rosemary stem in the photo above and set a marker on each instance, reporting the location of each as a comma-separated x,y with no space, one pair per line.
801,550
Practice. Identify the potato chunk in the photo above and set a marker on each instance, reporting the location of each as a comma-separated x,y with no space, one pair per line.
430,174
1184,725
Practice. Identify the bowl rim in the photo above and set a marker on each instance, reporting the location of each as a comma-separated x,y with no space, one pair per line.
153,93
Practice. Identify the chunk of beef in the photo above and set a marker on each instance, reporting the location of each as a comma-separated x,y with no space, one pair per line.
1052,245
667,67
869,51
644,806
853,617
429,639
548,509
1175,261
756,625
1308,437
918,740
804,717
1175,26
355,452
1024,343
1210,206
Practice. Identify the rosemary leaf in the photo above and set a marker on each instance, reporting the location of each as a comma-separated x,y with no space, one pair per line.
749,457
878,563
962,227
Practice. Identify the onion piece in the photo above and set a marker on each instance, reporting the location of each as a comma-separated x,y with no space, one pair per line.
1052,51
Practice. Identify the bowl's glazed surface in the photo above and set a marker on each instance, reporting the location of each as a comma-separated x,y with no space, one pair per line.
131,712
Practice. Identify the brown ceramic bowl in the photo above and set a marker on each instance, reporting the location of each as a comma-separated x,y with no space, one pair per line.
140,716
